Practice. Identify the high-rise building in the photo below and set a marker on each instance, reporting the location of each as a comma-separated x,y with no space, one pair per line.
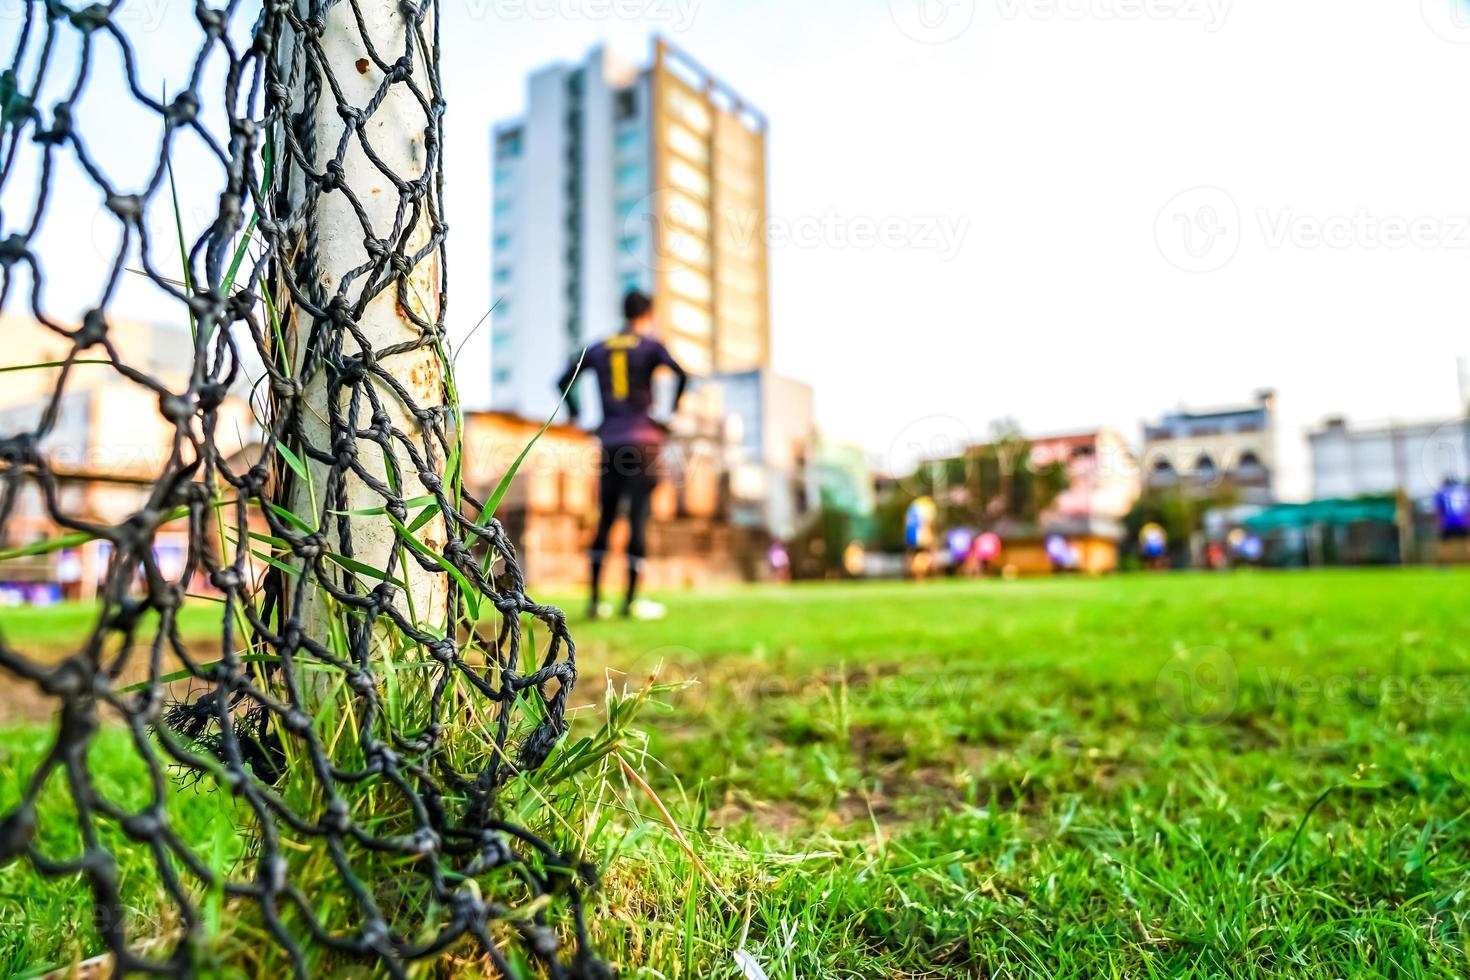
617,178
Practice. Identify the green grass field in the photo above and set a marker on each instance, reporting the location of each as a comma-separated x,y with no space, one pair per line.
1181,776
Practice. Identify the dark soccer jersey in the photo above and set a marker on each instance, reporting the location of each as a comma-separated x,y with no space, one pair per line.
624,366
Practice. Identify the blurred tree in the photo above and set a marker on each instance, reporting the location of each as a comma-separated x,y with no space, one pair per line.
817,548
988,486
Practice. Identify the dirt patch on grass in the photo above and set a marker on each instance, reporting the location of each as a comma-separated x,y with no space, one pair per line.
782,817
22,702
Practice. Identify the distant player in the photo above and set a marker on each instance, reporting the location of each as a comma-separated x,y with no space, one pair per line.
632,440
1452,502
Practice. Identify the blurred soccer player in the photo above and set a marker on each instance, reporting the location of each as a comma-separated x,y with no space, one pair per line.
1453,505
632,440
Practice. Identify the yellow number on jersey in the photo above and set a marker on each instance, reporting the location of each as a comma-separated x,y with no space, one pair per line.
620,374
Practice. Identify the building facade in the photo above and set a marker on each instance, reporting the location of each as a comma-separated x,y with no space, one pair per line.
621,177
1413,459
771,420
1081,529
1208,452
105,450
1102,479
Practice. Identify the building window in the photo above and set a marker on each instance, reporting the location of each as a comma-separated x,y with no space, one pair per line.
625,104
508,144
631,174
502,276
692,355
687,178
1205,467
689,111
630,141
502,243
503,210
686,144
690,284
501,376
684,211
1250,466
690,319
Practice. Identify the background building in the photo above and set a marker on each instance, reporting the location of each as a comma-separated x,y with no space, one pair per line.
1209,452
1102,478
619,177
1102,486
773,431
106,449
1388,458
1403,464
842,480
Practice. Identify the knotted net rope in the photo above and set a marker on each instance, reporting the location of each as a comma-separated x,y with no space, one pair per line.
367,746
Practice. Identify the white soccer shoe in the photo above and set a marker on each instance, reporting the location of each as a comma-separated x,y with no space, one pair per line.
645,610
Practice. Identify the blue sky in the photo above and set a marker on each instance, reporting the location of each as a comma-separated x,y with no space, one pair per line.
1147,202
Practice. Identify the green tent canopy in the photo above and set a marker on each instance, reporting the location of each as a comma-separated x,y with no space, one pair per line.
1333,512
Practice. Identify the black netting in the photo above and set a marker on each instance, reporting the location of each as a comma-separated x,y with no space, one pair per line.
374,697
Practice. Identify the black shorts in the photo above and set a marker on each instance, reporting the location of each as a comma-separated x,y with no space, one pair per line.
629,476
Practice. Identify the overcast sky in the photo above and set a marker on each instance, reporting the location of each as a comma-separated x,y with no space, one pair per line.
1071,212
